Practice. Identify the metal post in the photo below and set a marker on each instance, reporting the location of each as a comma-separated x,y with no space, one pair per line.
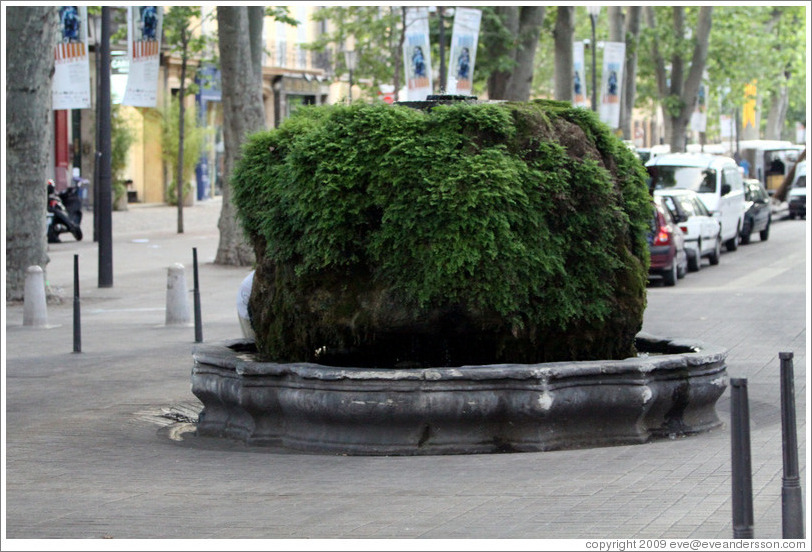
741,466
96,165
791,503
196,291
105,169
77,321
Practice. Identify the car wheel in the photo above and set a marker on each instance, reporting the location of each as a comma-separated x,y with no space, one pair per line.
792,216
695,260
765,234
670,277
717,252
733,243
745,238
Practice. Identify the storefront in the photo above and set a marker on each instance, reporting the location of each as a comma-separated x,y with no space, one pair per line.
293,91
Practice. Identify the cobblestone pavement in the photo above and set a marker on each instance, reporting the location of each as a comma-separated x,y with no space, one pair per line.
98,443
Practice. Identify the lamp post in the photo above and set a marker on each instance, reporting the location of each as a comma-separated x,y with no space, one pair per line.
105,178
351,59
593,16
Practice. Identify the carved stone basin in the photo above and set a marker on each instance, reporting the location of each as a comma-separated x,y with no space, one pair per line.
669,390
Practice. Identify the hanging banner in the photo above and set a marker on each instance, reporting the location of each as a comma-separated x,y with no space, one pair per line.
699,118
749,108
71,84
727,127
416,54
143,50
580,97
614,55
464,38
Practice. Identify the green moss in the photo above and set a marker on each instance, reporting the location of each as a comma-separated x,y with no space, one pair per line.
522,224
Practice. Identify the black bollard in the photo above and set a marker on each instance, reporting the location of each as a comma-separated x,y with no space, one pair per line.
741,466
196,291
791,503
77,320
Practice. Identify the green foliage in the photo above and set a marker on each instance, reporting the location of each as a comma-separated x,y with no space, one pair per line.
193,139
119,191
281,14
775,39
375,31
180,31
533,213
122,137
179,24
673,104
172,192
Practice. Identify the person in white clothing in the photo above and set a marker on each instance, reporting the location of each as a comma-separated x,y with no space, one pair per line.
243,295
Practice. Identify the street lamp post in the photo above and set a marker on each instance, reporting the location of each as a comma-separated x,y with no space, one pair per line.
351,59
593,16
105,178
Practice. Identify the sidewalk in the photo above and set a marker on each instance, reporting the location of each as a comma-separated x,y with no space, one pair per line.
145,244
98,443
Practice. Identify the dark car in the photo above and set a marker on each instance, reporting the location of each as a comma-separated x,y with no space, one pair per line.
797,193
758,216
666,244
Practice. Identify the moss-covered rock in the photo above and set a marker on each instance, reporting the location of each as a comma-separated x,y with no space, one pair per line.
472,233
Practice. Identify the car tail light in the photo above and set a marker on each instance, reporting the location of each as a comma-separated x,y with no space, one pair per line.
663,236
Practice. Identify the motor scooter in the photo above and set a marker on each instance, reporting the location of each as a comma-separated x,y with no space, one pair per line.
61,219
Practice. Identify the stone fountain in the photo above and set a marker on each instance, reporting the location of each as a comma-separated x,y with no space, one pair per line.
449,277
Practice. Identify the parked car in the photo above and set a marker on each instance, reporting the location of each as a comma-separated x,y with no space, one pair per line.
797,193
645,154
758,216
667,247
702,231
716,178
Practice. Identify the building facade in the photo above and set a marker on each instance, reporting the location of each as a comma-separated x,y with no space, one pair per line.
291,76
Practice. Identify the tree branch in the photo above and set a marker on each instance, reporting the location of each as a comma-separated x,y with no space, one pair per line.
659,62
691,89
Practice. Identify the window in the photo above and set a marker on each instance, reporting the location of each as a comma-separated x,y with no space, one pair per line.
689,178
700,207
733,177
669,204
688,206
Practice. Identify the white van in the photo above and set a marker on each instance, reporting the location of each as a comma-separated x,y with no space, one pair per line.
797,193
717,180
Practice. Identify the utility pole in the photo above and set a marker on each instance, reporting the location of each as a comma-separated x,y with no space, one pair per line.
105,179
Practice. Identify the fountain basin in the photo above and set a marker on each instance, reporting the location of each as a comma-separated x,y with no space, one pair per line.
669,390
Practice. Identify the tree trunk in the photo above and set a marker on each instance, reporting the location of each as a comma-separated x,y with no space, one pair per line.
682,93
256,18
530,20
243,114
29,129
563,33
617,24
777,113
441,41
498,80
630,74
179,183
